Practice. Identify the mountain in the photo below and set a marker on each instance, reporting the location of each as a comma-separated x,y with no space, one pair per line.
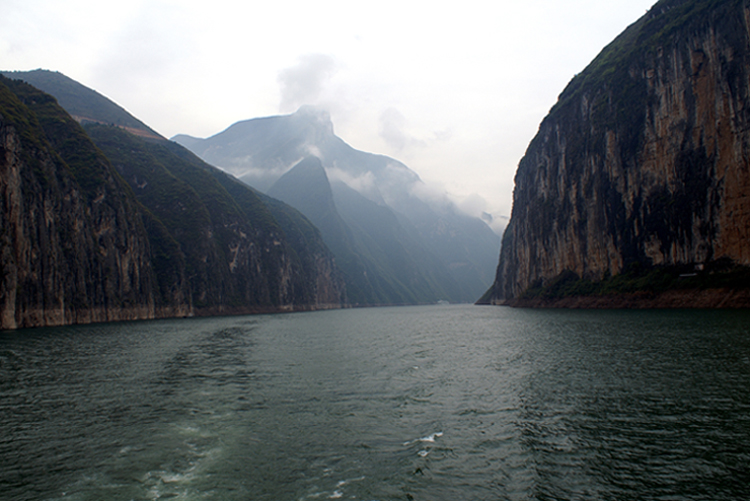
102,224
635,190
418,251
73,244
82,103
379,265
236,252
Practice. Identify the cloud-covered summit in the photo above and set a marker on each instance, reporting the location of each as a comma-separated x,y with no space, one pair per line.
304,83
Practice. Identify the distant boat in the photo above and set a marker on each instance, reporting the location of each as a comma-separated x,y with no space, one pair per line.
442,302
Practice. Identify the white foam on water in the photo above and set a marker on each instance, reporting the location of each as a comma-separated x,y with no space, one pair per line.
188,429
174,478
431,438
167,484
342,483
423,453
428,438
336,495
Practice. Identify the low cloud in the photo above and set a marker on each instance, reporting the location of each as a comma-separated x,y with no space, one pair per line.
431,193
305,82
477,206
393,131
364,184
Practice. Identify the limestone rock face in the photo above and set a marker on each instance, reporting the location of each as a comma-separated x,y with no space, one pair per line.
98,224
644,159
68,253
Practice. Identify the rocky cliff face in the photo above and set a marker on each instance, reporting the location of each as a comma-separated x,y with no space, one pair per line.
310,277
71,251
99,224
644,160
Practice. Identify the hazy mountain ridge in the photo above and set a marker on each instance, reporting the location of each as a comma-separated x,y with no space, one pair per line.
82,103
635,187
377,257
454,252
80,244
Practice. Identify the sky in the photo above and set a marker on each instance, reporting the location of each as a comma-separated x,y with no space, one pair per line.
455,90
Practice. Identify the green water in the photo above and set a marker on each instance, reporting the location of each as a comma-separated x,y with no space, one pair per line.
415,403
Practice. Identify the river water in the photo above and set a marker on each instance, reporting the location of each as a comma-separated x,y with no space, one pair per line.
417,403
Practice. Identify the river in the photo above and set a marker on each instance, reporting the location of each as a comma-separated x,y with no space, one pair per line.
451,402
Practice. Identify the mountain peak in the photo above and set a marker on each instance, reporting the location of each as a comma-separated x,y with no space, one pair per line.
315,116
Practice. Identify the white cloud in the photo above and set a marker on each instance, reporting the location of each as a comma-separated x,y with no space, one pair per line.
457,92
314,151
364,184
304,82
393,131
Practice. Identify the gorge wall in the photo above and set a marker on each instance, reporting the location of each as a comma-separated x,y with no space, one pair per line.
644,160
71,252
99,224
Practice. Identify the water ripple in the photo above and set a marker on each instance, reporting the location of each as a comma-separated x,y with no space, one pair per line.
415,403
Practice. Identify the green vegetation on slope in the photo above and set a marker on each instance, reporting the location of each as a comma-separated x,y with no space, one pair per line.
190,204
79,100
78,242
157,203
644,37
646,279
89,166
235,252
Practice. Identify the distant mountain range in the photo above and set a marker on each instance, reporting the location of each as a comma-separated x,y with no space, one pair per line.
393,243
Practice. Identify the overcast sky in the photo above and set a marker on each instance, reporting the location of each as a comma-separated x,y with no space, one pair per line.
455,90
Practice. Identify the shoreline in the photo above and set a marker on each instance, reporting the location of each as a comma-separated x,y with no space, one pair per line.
718,298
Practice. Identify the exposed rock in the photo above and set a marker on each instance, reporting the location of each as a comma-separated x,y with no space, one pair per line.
140,228
71,252
644,159
237,254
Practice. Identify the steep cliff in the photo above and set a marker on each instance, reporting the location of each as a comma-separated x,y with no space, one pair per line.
73,247
237,256
217,245
101,224
641,169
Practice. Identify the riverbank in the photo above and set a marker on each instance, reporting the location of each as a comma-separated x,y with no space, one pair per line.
676,298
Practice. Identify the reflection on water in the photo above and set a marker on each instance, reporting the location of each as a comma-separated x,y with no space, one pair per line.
457,402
